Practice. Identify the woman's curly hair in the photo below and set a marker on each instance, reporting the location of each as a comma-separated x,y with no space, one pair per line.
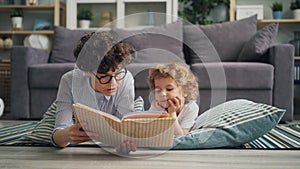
102,51
181,74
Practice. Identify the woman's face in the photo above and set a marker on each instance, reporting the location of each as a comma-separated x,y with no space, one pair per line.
109,82
165,89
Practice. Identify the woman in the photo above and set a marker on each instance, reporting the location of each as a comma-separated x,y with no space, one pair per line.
101,82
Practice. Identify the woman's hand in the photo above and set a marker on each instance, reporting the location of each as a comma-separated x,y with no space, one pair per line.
77,134
126,147
73,134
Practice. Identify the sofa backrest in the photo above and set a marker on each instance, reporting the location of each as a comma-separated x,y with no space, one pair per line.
159,44
167,43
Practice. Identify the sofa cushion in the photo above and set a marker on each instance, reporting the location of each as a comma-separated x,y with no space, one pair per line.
234,75
227,38
197,47
64,41
258,45
230,124
160,44
47,75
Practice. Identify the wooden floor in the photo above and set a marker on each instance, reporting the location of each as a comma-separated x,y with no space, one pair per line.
95,158
23,157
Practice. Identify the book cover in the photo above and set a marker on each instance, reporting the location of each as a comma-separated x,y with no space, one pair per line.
146,129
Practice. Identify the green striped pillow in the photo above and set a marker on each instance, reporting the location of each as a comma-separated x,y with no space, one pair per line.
139,104
42,132
230,124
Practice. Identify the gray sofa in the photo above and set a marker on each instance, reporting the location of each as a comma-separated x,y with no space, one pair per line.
231,60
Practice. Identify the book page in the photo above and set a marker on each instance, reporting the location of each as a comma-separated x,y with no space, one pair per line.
78,108
145,132
147,114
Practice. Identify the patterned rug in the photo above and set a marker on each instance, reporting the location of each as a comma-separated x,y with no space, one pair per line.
281,137
11,135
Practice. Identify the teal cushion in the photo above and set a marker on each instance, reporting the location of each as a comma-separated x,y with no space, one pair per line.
230,124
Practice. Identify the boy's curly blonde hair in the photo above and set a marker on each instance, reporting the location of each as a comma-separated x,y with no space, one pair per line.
181,74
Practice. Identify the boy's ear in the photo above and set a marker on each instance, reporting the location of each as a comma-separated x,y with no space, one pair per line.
185,94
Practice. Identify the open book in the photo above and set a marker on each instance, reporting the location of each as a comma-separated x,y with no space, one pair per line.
146,129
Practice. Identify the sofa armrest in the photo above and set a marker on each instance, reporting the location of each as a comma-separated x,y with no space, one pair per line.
282,58
21,58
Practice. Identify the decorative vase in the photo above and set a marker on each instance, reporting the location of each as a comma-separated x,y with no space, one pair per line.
1,107
277,14
8,43
17,23
84,24
150,18
296,14
296,42
1,43
106,19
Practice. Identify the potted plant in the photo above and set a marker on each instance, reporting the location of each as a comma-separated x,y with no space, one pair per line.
277,8
295,7
17,19
197,11
84,17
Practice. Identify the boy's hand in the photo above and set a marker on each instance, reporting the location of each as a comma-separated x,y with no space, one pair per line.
159,106
175,106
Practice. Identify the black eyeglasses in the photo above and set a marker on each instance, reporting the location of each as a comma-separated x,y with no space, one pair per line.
118,76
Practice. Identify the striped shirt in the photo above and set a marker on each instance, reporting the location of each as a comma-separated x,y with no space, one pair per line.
75,87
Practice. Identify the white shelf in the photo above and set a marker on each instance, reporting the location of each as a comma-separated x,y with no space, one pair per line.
33,10
287,26
122,8
31,13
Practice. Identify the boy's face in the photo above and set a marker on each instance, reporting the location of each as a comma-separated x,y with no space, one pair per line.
109,82
165,89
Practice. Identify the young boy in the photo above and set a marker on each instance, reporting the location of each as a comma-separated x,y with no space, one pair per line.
175,90
101,82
